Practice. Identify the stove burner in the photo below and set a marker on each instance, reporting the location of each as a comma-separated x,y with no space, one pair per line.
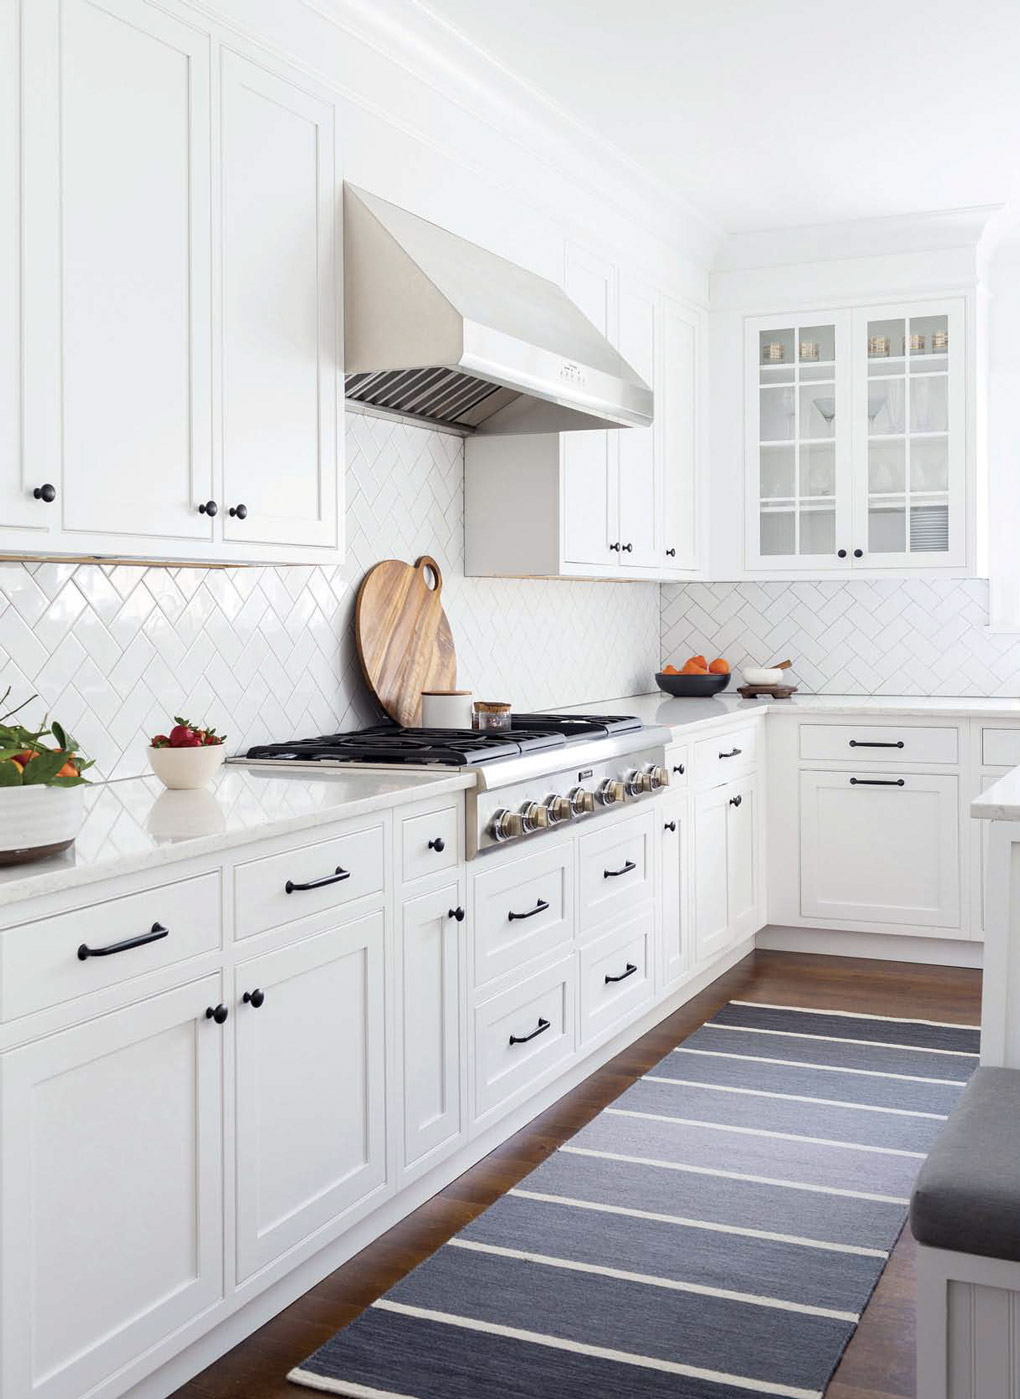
388,743
578,727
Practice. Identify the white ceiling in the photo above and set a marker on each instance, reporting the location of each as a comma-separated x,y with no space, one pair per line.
775,113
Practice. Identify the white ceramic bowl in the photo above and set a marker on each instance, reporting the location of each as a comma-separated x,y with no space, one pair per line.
37,820
763,675
187,769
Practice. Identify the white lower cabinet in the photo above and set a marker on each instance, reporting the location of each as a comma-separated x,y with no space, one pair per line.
430,954
726,860
111,1191
616,976
674,904
880,846
311,1124
522,1034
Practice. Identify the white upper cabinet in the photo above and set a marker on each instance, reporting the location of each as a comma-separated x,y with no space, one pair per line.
279,333
678,416
857,439
639,485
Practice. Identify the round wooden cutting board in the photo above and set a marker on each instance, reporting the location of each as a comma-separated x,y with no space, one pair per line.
404,640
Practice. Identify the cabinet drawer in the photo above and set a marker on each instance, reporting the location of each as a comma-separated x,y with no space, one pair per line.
615,870
725,756
616,976
1000,748
678,764
430,841
521,910
523,1033
865,743
325,875
45,963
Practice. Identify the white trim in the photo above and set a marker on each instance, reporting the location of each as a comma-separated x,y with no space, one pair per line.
737,1175
855,1015
837,1039
644,1362
570,1265
328,1386
685,1223
793,1097
825,1068
764,1132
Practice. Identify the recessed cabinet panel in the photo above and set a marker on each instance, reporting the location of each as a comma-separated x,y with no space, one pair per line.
674,901
678,412
310,1088
133,279
111,1197
880,846
280,211
590,515
639,480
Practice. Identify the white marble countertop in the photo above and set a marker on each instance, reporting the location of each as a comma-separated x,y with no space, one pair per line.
1000,801
135,824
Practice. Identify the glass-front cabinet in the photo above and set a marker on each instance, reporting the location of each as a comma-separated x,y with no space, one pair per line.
856,439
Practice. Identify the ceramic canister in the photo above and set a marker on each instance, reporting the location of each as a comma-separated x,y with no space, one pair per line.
446,709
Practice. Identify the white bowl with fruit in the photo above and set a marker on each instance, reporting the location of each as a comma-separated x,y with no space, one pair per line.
41,798
187,757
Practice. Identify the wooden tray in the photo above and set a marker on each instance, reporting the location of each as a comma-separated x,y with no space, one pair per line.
404,640
773,691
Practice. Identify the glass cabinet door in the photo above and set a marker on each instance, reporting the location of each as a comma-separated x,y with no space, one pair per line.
910,495
798,447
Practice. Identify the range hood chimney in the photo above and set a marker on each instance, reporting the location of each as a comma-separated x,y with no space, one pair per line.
438,328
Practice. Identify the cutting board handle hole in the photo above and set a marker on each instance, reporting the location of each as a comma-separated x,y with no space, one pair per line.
430,573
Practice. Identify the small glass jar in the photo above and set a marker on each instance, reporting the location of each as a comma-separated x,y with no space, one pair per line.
492,716
939,342
878,346
809,351
774,352
917,344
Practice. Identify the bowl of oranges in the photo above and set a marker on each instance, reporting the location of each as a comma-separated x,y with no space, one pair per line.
695,678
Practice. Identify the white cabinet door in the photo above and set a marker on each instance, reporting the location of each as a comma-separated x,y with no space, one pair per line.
880,848
711,879
310,1087
590,500
280,214
678,415
742,856
674,841
910,505
117,286
638,475
430,995
112,1204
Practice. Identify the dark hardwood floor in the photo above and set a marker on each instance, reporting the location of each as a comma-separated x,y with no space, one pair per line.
879,1363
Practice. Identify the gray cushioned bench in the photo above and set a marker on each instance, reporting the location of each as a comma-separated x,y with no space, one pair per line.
965,1215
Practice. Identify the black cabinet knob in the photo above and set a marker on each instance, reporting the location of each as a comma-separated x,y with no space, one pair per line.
438,845
841,553
616,547
254,998
670,553
210,508
669,826
735,801
678,768
858,553
239,512
628,548
457,913
47,493
218,1013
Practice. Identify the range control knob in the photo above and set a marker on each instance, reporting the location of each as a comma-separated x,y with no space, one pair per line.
535,816
582,801
507,825
638,782
559,809
659,777
612,791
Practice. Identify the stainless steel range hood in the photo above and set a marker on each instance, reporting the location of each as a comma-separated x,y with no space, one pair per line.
438,328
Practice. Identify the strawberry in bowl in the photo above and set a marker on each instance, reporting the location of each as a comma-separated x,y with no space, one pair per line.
187,757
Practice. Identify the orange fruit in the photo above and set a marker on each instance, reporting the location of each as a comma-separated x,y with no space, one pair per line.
692,668
69,770
700,662
670,670
720,667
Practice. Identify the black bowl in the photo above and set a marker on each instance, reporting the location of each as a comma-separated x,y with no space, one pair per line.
691,686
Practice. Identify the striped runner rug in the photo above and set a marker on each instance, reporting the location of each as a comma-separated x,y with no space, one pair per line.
713,1234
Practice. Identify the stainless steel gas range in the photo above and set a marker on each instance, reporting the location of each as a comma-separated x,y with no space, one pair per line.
544,772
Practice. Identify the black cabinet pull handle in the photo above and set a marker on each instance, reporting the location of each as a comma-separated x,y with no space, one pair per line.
670,553
628,548
735,801
338,874
46,493
614,874
861,743
209,508
679,769
239,512
669,826
858,553
218,1013
877,782
254,998
733,753
543,1025
438,845
457,913
616,547
631,969
155,934
540,907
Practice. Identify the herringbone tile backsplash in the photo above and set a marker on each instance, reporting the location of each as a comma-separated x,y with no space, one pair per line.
264,653
884,637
